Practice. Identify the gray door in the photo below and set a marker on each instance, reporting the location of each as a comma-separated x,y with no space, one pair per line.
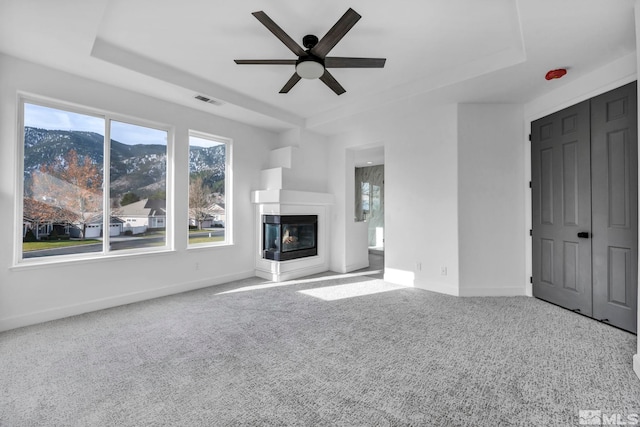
561,201
614,184
585,213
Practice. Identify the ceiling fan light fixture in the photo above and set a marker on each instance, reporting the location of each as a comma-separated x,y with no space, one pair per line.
313,63
310,68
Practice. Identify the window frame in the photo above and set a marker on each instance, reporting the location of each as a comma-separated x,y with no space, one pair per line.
108,116
228,187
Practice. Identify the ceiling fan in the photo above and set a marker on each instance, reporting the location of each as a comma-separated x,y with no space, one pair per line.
313,62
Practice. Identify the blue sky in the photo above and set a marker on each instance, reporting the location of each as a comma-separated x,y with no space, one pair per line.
194,141
54,119
132,134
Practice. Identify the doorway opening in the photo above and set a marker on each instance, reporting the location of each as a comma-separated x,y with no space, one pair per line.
369,201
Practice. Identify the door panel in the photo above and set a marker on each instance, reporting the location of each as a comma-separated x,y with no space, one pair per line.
615,206
618,266
571,263
561,200
546,187
570,183
547,260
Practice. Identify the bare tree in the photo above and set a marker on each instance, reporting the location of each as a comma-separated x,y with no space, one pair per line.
71,183
199,200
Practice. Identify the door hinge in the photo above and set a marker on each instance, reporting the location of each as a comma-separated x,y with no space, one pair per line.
529,137
530,232
530,185
530,279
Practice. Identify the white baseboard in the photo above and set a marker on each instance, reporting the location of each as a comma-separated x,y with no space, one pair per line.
357,266
408,279
441,288
399,277
636,364
493,292
116,300
284,276
528,289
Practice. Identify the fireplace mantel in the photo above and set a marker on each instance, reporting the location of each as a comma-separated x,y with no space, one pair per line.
291,197
291,202
281,195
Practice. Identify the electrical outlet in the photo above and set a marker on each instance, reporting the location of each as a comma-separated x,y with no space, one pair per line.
197,266
418,266
443,270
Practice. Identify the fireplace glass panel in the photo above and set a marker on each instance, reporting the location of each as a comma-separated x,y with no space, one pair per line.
298,236
272,237
287,237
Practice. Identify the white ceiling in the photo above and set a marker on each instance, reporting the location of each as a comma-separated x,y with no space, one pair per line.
496,50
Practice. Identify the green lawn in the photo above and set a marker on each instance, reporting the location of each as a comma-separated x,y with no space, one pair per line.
204,239
195,240
45,244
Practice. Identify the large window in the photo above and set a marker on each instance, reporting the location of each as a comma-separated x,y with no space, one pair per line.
72,203
209,173
138,186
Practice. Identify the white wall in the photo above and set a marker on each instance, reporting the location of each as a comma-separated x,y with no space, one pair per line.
454,197
491,199
573,91
344,257
420,196
309,160
31,294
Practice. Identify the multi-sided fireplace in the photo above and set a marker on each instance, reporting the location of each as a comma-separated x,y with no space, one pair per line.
287,237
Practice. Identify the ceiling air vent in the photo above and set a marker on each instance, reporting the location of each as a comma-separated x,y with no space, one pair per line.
208,100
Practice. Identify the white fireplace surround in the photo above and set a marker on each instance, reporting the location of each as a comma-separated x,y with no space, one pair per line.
288,202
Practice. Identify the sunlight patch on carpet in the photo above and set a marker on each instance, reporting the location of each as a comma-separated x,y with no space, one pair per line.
271,284
351,290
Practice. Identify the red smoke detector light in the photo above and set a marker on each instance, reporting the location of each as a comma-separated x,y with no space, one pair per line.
555,74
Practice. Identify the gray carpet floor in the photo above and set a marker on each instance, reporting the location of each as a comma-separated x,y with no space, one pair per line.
324,351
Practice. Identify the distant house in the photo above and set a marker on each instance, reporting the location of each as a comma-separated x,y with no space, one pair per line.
215,216
94,227
142,215
218,213
43,218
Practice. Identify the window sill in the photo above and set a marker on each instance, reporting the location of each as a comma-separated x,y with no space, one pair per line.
61,261
209,246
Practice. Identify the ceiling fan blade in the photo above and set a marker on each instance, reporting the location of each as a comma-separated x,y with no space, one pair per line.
338,62
330,81
336,33
279,33
291,83
265,61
